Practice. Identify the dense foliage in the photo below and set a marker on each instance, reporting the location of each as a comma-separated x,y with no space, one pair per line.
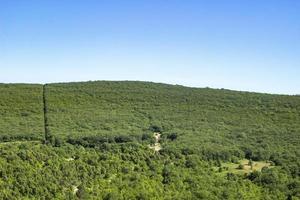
219,124
98,136
21,112
127,171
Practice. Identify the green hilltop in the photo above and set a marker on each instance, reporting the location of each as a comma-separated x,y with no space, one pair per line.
95,140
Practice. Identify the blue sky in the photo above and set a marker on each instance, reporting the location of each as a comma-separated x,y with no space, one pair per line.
250,45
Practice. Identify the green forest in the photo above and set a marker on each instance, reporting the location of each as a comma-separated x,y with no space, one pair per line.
142,140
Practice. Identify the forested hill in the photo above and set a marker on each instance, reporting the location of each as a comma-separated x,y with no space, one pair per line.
95,140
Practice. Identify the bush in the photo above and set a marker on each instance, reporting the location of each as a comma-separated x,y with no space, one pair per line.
155,128
240,166
172,136
147,136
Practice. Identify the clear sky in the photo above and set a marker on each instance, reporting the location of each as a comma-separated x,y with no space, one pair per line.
251,45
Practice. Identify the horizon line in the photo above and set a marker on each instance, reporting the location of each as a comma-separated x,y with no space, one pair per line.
148,81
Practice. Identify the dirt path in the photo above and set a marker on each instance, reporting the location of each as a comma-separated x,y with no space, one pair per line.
156,147
75,189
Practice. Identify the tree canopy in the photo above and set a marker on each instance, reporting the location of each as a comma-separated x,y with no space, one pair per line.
96,140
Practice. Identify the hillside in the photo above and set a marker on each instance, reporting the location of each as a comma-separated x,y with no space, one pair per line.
21,112
223,122
98,136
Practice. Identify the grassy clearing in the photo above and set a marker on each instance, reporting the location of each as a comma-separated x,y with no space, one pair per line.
243,167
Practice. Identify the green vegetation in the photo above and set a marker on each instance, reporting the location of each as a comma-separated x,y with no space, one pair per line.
229,125
21,112
243,167
208,144
130,171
